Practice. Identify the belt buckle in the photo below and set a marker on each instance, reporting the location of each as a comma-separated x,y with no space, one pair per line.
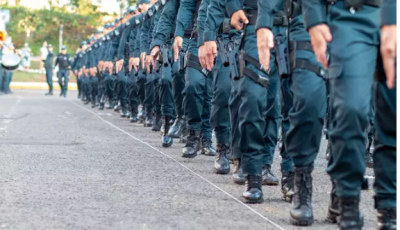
324,73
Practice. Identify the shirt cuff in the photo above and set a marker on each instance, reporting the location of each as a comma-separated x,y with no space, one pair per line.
232,6
264,21
209,36
314,17
157,42
388,14
179,32
200,41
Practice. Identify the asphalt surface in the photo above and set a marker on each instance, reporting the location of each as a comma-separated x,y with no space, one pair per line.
65,165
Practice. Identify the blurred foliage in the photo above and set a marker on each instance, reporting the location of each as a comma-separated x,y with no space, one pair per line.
79,21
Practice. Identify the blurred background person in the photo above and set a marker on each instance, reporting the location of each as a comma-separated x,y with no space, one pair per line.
26,56
43,54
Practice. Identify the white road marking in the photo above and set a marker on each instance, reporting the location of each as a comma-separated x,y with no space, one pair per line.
184,166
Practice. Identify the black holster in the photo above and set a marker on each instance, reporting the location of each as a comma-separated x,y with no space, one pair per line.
166,56
282,55
181,61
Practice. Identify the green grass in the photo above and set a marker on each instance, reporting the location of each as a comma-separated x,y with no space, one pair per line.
20,76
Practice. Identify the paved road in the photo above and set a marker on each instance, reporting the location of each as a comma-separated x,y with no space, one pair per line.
67,166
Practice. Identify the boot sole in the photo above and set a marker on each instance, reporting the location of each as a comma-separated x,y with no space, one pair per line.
166,145
259,201
189,156
303,222
221,172
270,183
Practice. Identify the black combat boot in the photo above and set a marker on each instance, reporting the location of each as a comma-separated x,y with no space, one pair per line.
369,162
50,93
166,140
253,193
350,217
287,186
124,112
192,145
101,105
149,120
157,123
302,214
176,129
238,176
142,116
387,219
333,210
221,163
268,178
110,105
134,118
207,148
117,107
184,133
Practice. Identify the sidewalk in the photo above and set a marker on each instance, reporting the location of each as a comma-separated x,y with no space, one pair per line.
40,85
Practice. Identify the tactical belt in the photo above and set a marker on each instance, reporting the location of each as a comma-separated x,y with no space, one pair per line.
297,63
193,62
278,20
374,3
243,58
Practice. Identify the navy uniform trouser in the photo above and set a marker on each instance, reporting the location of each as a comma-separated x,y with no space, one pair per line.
371,117
308,110
149,92
133,97
157,86
351,69
140,83
94,86
121,89
63,73
385,147
79,84
287,103
8,79
109,84
197,96
171,86
222,87
100,87
49,79
87,88
253,111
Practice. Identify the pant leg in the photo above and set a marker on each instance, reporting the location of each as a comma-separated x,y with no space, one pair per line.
49,78
100,89
252,112
351,75
149,92
122,79
166,95
2,76
156,102
133,98
273,115
220,117
109,85
385,147
79,85
178,84
206,130
235,101
287,103
66,80
59,77
141,80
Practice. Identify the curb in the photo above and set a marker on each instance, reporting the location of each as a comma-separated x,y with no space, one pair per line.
40,85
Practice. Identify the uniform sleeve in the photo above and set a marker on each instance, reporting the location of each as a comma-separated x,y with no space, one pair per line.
215,16
122,43
103,50
132,42
166,22
155,26
388,12
232,6
314,12
56,63
184,17
201,20
73,65
113,49
145,35
265,18
136,51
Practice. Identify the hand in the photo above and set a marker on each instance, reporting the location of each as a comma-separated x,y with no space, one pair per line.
320,36
143,59
155,51
118,65
110,67
388,52
100,65
265,42
202,56
136,63
177,46
105,65
238,18
211,54
130,63
149,62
